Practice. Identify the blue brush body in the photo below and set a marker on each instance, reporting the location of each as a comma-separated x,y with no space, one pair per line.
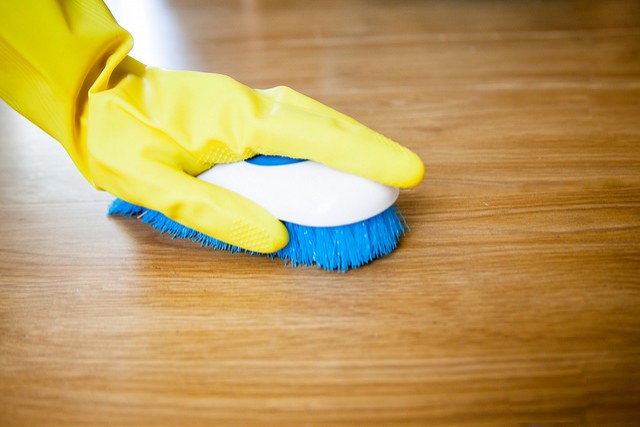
331,248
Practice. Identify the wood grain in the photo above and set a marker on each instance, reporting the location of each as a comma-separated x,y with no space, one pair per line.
513,300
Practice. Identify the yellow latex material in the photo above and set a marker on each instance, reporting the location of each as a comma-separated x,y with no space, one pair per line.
144,133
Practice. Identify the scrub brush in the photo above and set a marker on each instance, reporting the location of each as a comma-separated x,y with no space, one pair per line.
335,220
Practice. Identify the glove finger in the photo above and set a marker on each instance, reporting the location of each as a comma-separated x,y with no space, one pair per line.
302,127
222,120
207,208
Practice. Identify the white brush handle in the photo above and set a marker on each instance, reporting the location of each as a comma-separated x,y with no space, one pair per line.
306,193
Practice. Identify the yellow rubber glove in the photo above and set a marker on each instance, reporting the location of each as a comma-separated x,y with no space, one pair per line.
143,133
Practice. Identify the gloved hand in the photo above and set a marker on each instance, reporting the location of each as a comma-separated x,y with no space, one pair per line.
143,134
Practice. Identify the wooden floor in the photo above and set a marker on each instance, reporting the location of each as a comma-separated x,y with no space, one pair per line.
514,300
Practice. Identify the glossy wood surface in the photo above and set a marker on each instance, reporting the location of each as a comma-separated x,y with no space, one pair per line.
514,300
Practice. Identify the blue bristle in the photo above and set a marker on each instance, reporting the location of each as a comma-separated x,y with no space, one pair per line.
120,207
331,248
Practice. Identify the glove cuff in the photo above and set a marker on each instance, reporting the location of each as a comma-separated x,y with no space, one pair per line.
53,53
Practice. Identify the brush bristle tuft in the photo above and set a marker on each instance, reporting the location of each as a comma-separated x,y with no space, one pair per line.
331,248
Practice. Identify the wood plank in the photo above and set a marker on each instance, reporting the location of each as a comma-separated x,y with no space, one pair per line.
512,301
